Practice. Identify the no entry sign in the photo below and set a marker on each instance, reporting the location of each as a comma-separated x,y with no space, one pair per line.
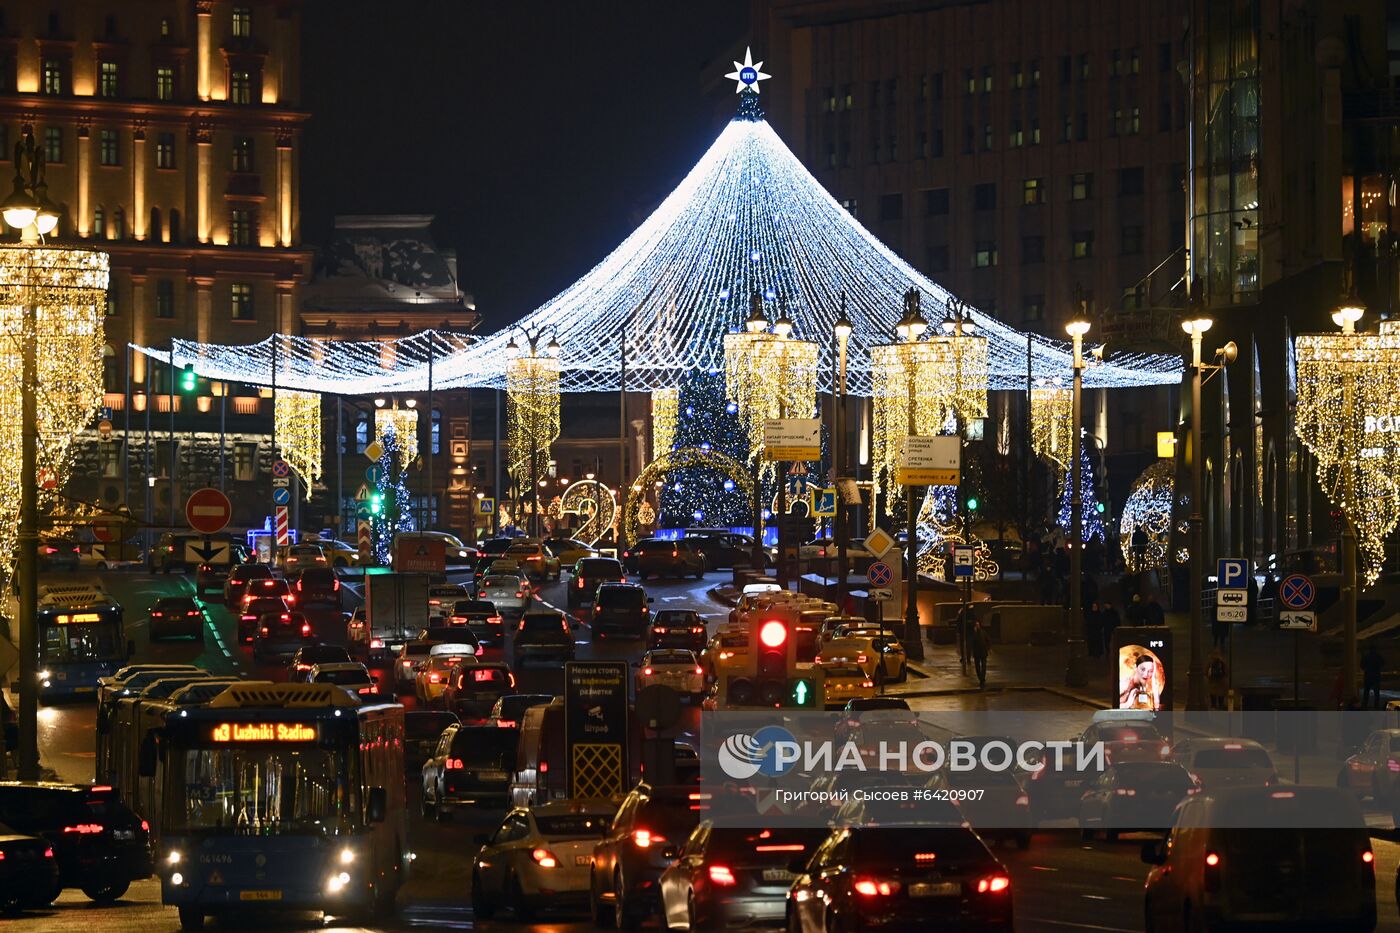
208,511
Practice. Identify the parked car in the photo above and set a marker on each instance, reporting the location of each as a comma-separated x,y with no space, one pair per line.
28,872
676,668
644,838
470,767
542,636
481,619
510,595
281,635
900,878
252,613
308,656
1265,858
317,586
99,844
1134,796
177,616
620,609
588,574
730,878
350,675
677,628
236,583
537,562
679,558
473,686
422,728
538,859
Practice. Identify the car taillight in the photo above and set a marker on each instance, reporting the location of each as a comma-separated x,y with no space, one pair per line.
872,888
303,666
721,875
519,594
192,612
145,827
84,829
867,683
48,853
378,643
454,764
370,689
306,628
50,550
1125,791
862,658
298,584
544,858
335,584
1368,857
994,884
699,669
406,663
434,678
1023,801
646,672
643,838
544,767
263,630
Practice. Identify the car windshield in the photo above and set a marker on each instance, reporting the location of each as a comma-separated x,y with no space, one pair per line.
259,791
417,651
542,622
1153,774
465,607
248,572
421,725
318,575
1232,758
1138,732
324,654
574,826
347,676
599,566
673,816
488,747
621,597
672,657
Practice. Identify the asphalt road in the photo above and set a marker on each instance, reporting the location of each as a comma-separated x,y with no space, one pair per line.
1060,883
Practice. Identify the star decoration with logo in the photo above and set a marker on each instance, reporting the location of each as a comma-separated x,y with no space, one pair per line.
748,73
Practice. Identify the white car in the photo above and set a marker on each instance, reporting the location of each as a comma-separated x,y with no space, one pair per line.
353,676
509,594
543,855
413,655
442,597
676,668
1220,763
452,649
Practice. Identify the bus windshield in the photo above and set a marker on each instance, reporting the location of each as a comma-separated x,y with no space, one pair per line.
85,641
257,790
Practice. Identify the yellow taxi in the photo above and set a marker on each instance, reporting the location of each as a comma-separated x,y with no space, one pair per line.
729,647
532,557
431,677
842,681
875,651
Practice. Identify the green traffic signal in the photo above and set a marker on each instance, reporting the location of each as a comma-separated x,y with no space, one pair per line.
188,380
376,503
801,693
1098,507
972,504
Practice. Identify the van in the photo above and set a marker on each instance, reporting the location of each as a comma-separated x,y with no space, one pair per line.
1264,857
539,774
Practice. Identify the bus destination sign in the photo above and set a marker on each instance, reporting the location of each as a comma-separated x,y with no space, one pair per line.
263,732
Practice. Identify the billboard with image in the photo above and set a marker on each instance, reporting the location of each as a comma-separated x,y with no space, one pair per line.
1142,669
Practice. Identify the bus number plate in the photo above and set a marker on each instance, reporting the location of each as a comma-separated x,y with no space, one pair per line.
259,895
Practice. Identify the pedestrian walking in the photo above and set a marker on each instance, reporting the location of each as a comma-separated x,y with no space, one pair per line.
1137,615
1372,663
1139,545
981,644
1110,622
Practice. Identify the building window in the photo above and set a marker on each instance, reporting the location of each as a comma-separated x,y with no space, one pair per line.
435,439
240,87
1135,61
987,80
1034,79
984,254
984,196
1067,134
1033,307
165,26
165,83
109,151
240,227
119,224
936,202
113,452
242,21
936,144
99,223
361,435
1033,191
987,136
1115,120
245,461
968,132
1016,138
1132,239
107,80
892,206
1130,180
852,206
1032,249
923,87
1018,77
1035,131
1082,246
53,76
1133,124
1081,186
165,150
165,298
1134,298
970,79
937,259
243,154
1084,67
848,98
53,144
241,302
1115,63
831,100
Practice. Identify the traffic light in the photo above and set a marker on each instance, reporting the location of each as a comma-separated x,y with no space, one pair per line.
973,504
188,380
376,503
771,667
807,691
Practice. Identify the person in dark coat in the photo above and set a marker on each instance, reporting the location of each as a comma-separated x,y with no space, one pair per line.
1110,622
1372,663
1139,546
1154,613
1136,614
1093,630
981,644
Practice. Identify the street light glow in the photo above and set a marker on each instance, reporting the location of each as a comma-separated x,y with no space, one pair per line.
1077,328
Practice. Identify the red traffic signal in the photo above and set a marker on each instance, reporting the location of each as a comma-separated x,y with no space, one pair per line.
773,634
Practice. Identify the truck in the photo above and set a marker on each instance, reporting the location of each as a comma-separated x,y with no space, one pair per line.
395,611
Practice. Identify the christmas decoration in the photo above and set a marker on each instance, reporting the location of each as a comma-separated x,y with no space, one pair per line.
397,514
940,528
664,411
1052,416
679,459
705,422
597,503
1091,514
532,409
403,422
298,426
1149,507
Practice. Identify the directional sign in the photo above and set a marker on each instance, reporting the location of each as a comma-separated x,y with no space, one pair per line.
374,450
1298,621
375,473
281,495
1232,573
1297,591
207,510
931,461
281,468
824,502
1231,613
207,551
879,574
878,542
364,541
792,439
964,560
362,512
1231,597
486,506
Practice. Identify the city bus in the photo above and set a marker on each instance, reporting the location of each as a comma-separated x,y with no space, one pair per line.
280,796
82,638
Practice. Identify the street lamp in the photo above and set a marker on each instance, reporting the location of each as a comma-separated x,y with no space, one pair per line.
1075,673
841,330
909,329
1196,328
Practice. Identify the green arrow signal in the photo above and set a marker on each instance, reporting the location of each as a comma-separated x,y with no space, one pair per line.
799,693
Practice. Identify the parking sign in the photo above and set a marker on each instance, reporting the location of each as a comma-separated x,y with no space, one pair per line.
1232,573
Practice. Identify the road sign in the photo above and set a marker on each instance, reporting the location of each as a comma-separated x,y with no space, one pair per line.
964,560
208,511
1297,591
364,541
374,450
281,482
1232,613
281,468
104,427
881,594
281,495
792,439
595,728
283,526
48,479
931,461
362,494
486,506
208,551
878,542
1298,621
1232,573
104,531
1231,597
879,574
374,474
420,555
824,502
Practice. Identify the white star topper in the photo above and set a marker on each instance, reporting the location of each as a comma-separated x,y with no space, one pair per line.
748,73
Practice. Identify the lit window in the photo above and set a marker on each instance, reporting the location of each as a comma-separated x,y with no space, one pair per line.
984,256
165,150
108,148
245,461
243,154
165,83
241,302
99,223
165,26
240,87
1016,138
53,144
119,224
240,227
1033,307
53,76
107,81
242,21
1083,245
1081,186
1033,191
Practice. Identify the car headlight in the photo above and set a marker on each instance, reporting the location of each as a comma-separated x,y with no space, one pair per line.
43,675
173,857
347,855
177,879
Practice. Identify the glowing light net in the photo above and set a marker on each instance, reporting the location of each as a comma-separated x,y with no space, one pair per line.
749,217
298,421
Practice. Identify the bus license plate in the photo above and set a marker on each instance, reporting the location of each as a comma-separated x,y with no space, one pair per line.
946,889
259,895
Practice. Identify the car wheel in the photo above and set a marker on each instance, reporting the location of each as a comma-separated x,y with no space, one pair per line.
191,918
425,809
903,673
690,923
1086,834
482,908
519,904
107,891
623,917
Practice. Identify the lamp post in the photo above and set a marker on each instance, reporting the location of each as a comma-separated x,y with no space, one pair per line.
756,325
908,331
1196,329
1075,673
842,331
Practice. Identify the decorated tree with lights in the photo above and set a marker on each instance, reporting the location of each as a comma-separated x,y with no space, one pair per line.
396,511
1090,509
707,420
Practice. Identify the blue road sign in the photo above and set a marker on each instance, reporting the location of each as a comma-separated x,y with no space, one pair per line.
281,495
879,574
281,468
1233,573
964,560
1297,591
362,511
374,473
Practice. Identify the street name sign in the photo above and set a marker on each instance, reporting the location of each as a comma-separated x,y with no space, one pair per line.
792,439
931,461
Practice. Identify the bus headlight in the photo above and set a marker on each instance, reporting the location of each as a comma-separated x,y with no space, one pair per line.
177,879
336,883
173,857
347,855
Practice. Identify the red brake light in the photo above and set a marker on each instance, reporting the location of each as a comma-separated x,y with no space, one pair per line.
519,594
378,643
454,764
544,858
646,672
721,875
335,584
434,678
1368,856
643,838
48,853
871,888
84,829
50,549
145,827
699,669
794,847
264,629
993,885
1212,859
306,628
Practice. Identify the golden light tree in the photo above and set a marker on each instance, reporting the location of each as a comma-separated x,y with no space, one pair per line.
403,422
532,409
769,375
1052,416
297,422
665,410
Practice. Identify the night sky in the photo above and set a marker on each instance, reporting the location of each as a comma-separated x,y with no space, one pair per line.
539,133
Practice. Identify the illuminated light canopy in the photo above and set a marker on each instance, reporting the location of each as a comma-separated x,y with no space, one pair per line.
1052,421
532,412
748,218
298,427
770,375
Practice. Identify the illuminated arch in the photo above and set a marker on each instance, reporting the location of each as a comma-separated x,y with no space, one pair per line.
675,460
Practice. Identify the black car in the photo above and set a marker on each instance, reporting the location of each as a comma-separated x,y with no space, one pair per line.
281,635
253,611
590,572
317,586
99,844
509,710
58,554
620,609
729,877
900,879
28,871
677,628
542,636
645,837
177,615
236,582
471,766
725,549
481,617
308,656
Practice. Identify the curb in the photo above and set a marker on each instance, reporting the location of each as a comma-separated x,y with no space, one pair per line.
1064,692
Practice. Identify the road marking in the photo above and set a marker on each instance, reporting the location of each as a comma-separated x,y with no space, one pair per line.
1043,868
1095,897
1081,926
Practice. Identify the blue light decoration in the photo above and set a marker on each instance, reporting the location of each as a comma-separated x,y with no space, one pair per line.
710,426
748,195
1091,519
729,485
731,408
398,511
